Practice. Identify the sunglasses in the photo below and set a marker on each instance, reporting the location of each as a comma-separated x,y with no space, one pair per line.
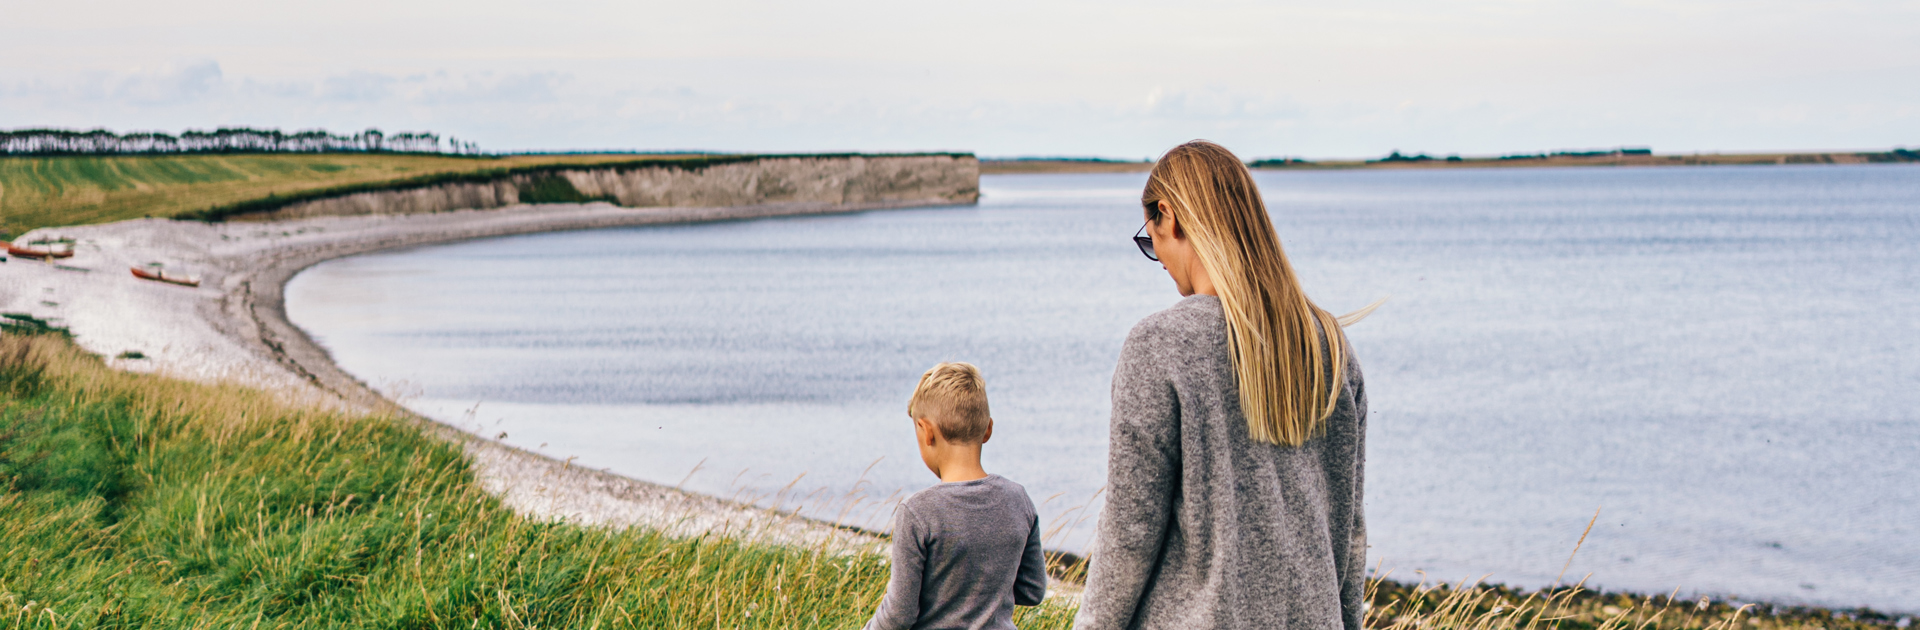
1145,243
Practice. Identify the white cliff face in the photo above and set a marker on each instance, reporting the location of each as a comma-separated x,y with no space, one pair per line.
856,179
437,198
853,180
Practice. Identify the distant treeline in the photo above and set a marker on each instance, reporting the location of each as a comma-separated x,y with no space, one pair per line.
1624,155
223,140
1422,157
1279,162
1622,151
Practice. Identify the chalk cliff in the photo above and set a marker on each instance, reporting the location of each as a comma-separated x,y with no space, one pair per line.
836,180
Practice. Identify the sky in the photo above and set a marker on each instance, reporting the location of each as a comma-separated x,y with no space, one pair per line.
1114,78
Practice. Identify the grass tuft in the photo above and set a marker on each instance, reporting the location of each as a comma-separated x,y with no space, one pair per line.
1474,606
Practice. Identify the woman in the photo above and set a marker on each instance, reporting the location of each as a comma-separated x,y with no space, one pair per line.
1239,427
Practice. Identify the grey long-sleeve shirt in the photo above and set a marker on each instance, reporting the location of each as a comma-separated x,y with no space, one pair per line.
1206,528
964,554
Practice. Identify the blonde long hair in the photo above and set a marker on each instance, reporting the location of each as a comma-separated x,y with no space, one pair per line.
1273,330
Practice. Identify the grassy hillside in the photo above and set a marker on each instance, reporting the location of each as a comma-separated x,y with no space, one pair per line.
137,501
69,190
134,501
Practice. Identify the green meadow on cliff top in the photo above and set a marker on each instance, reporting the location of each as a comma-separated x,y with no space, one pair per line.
71,190
131,500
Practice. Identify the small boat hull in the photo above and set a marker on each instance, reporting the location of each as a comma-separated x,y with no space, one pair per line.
39,253
162,276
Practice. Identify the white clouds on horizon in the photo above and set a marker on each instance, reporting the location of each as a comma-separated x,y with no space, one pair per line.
1058,78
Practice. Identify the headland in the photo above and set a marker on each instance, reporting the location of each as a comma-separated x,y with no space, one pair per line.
232,326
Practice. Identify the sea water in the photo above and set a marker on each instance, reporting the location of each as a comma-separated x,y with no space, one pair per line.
1723,363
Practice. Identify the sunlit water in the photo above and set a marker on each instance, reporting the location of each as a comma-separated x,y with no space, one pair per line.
1725,362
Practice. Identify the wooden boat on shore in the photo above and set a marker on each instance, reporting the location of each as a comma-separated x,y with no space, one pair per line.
155,273
41,251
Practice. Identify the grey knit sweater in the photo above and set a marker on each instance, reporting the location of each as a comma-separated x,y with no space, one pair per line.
1205,528
964,554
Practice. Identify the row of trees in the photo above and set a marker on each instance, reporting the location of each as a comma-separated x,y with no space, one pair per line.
1620,152
223,140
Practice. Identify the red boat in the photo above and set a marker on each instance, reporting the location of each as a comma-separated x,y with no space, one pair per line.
155,273
41,250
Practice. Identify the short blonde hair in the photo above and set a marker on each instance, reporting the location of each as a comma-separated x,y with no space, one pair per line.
954,398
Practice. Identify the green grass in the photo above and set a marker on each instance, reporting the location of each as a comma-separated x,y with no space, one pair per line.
40,192
136,501
70,190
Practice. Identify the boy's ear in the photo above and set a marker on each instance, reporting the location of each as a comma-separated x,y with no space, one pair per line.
989,433
925,431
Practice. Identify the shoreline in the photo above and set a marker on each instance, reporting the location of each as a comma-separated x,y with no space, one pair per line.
234,328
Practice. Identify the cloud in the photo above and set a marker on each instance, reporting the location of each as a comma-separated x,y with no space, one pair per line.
361,87
167,84
526,87
1220,103
752,104
173,84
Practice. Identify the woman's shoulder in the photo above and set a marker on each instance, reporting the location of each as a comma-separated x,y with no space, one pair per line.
1192,314
1189,322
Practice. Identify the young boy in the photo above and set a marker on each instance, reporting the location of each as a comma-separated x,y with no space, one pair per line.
967,551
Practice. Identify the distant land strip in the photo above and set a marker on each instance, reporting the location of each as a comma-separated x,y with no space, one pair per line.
1396,160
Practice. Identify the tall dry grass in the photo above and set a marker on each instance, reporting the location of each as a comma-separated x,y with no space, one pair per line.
138,501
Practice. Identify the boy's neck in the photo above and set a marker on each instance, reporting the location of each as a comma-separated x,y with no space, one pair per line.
962,473
961,463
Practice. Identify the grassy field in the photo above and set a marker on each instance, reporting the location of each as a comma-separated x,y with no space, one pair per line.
137,501
71,190
134,501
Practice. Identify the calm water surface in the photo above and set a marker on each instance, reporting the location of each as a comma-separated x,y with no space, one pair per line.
1725,362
